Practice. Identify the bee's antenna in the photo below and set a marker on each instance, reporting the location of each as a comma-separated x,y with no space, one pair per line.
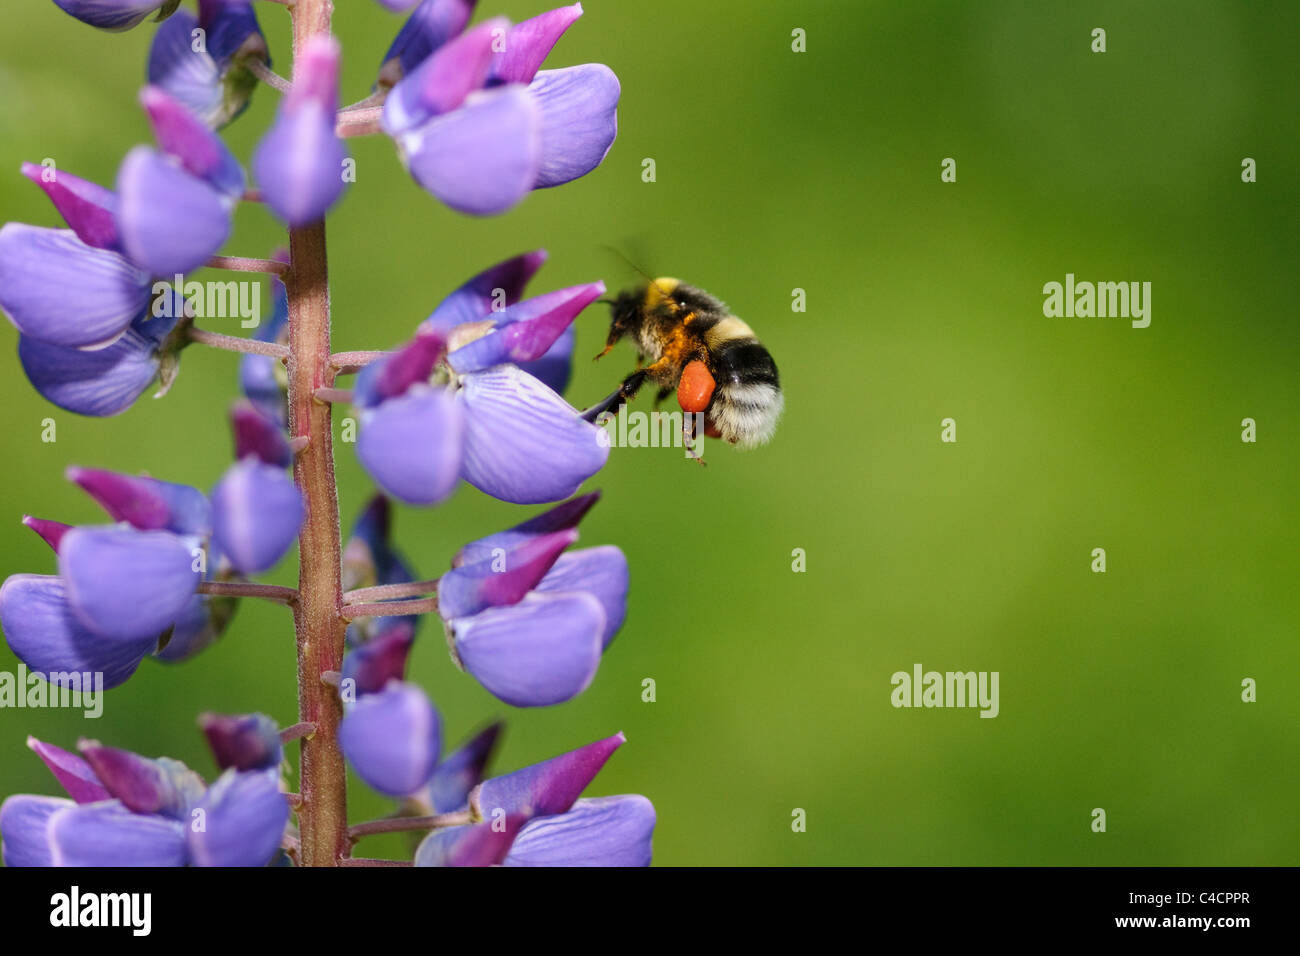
649,279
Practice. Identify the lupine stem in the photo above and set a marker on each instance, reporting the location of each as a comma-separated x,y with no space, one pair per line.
234,343
403,824
296,732
270,592
353,861
391,608
266,74
359,122
248,264
348,362
322,817
386,592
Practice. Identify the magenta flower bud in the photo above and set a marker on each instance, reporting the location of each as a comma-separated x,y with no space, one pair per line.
492,290
383,658
299,163
257,435
526,331
545,788
199,150
562,516
501,579
481,844
243,742
143,785
51,532
530,42
86,207
74,774
394,374
146,503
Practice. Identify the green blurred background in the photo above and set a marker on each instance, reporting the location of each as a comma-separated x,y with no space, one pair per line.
820,171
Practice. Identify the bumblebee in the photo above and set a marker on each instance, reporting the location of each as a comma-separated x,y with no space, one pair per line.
694,345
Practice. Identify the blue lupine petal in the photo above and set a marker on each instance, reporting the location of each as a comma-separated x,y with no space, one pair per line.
481,844
261,376
232,30
545,788
200,151
441,82
579,108
530,42
497,287
601,572
193,78
432,24
45,635
527,330
23,822
392,739
108,834
170,221
243,819
88,208
480,159
72,772
125,584
243,741
564,515
542,651
397,6
101,382
523,443
412,446
57,289
257,511
555,367
501,579
112,15
299,163
462,770
605,831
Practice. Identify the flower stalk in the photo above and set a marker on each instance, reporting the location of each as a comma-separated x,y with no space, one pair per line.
319,625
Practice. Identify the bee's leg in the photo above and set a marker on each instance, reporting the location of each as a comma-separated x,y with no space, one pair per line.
691,437
619,397
663,393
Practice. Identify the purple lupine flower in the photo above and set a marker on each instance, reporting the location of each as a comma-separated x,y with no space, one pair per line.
214,82
116,15
128,810
476,123
461,771
528,621
430,416
559,829
299,163
397,6
174,207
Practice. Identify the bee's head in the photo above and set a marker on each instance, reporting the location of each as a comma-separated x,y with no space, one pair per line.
625,313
